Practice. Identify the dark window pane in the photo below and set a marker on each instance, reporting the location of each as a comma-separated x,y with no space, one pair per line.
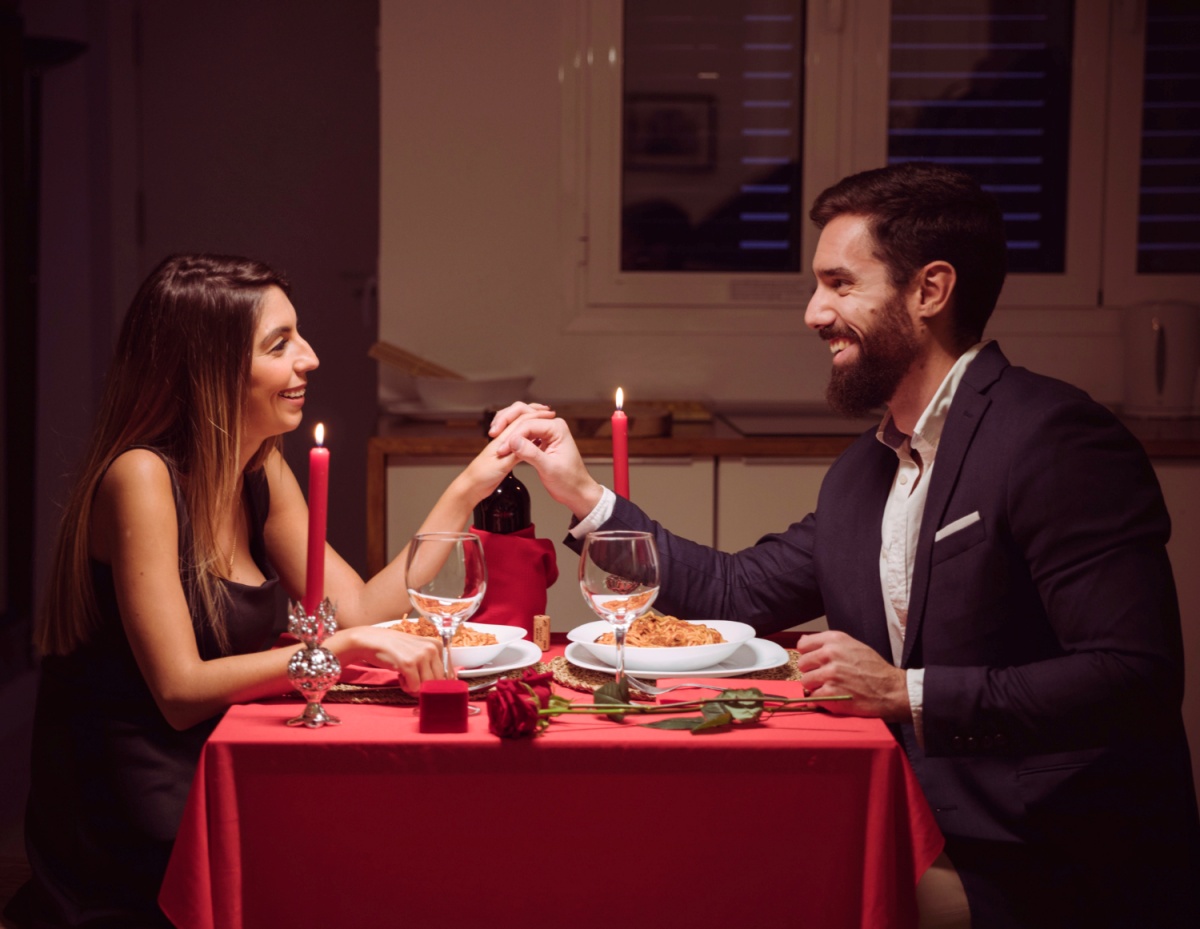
985,86
1169,194
711,142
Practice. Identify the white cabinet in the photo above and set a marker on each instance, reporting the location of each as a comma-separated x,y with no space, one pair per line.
762,495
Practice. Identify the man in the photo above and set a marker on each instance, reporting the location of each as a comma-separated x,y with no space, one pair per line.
992,565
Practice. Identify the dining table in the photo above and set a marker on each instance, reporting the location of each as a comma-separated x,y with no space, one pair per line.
804,819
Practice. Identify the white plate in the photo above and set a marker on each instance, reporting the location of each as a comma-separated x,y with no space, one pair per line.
755,655
517,655
676,658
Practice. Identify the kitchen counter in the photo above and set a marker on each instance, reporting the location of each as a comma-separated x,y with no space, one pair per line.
776,432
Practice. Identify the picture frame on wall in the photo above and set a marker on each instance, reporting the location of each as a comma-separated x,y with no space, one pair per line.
670,132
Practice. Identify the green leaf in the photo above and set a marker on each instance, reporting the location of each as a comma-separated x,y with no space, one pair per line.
712,722
744,712
613,692
745,693
675,722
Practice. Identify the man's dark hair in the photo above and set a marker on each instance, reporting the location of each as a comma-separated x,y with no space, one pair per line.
920,212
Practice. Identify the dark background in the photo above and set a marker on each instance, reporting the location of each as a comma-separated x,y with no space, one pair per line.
191,125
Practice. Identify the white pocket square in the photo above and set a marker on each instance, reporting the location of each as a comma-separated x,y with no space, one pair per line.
957,525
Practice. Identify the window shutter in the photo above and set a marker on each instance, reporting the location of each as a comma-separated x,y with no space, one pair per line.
713,94
985,87
1169,189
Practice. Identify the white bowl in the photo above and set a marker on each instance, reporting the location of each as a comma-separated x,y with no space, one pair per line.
677,658
474,656
451,393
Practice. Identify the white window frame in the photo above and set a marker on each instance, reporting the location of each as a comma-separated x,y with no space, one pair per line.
845,88
1122,284
602,297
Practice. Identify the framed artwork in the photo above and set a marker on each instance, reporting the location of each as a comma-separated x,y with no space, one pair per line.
670,132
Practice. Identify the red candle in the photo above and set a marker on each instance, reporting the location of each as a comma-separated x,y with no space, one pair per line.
318,508
620,430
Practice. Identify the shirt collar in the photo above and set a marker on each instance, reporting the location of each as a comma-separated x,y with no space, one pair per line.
928,430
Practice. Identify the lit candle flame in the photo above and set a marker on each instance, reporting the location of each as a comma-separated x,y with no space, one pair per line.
319,433
620,398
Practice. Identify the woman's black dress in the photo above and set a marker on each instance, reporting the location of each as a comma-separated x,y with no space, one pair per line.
109,775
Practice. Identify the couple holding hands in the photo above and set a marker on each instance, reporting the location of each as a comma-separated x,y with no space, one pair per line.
991,562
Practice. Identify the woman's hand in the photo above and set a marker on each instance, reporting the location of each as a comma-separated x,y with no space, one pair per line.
487,470
415,658
515,411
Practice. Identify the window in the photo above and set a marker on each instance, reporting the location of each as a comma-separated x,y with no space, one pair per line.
1152,190
725,178
712,105
1169,188
705,142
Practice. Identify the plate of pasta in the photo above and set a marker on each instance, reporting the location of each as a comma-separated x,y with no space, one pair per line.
473,645
656,643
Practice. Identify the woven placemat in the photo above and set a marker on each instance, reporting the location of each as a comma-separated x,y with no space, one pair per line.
586,680
358,693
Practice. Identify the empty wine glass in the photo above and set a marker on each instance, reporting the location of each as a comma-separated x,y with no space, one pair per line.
446,577
618,575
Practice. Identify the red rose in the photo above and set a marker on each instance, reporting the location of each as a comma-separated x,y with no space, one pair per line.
540,684
512,710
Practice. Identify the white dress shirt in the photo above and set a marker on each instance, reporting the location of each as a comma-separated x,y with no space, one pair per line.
902,517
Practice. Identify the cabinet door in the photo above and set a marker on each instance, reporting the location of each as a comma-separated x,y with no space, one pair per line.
762,495
757,496
678,492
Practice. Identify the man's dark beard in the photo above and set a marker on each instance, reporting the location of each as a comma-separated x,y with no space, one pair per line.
885,356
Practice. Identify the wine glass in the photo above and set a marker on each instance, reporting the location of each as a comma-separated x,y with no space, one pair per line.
446,577
618,574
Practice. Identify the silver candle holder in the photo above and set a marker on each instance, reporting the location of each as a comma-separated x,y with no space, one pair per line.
313,669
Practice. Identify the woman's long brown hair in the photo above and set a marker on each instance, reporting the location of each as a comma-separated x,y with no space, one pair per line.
178,384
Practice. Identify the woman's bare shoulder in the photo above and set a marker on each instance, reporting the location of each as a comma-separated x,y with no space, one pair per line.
137,469
134,502
279,474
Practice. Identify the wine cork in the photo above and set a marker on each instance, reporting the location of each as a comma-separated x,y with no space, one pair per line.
541,631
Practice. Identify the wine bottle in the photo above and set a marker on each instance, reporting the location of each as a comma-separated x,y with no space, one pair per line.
506,509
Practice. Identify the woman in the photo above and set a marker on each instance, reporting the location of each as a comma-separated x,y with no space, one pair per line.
164,596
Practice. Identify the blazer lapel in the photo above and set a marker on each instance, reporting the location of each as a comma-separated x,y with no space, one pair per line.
871,499
966,412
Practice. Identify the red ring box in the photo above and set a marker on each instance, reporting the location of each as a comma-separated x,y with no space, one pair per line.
443,706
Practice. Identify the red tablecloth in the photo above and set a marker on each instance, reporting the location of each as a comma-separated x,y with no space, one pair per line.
808,820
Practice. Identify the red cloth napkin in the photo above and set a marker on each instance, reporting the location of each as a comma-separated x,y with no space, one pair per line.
520,567
365,675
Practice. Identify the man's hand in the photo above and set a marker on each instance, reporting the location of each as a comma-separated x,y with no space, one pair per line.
547,444
834,663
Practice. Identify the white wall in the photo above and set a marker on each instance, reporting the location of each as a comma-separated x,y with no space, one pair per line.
472,239
477,168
